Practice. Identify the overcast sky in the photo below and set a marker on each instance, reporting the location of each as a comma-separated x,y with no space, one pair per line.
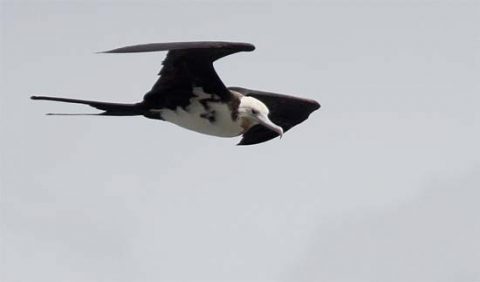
381,184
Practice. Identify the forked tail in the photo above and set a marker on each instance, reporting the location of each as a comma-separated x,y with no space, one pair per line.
110,109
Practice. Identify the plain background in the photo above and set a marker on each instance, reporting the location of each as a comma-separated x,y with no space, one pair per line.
381,184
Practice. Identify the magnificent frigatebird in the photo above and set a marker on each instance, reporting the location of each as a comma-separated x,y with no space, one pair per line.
190,94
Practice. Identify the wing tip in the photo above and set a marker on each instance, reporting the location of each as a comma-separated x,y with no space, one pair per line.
244,143
315,105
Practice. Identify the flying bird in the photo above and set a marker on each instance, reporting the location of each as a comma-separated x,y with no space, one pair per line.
190,94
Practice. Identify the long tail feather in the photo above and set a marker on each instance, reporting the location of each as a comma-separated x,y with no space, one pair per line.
68,114
110,109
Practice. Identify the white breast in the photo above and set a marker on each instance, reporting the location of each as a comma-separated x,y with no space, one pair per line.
195,117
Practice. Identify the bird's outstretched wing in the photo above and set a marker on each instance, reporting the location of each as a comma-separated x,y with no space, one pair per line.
187,65
285,111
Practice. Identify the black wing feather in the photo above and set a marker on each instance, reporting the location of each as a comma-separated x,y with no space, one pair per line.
187,65
285,111
170,46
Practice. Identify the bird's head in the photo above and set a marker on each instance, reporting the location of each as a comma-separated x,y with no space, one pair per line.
253,111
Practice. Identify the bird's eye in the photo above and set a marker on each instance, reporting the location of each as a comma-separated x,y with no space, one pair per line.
254,111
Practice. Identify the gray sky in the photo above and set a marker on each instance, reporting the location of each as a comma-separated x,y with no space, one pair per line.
381,184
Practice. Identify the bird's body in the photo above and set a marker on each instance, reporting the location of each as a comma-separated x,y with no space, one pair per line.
190,94
204,114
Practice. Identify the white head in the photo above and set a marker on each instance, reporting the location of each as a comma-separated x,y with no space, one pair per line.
256,112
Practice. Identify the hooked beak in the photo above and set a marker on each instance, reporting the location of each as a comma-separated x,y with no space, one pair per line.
265,121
